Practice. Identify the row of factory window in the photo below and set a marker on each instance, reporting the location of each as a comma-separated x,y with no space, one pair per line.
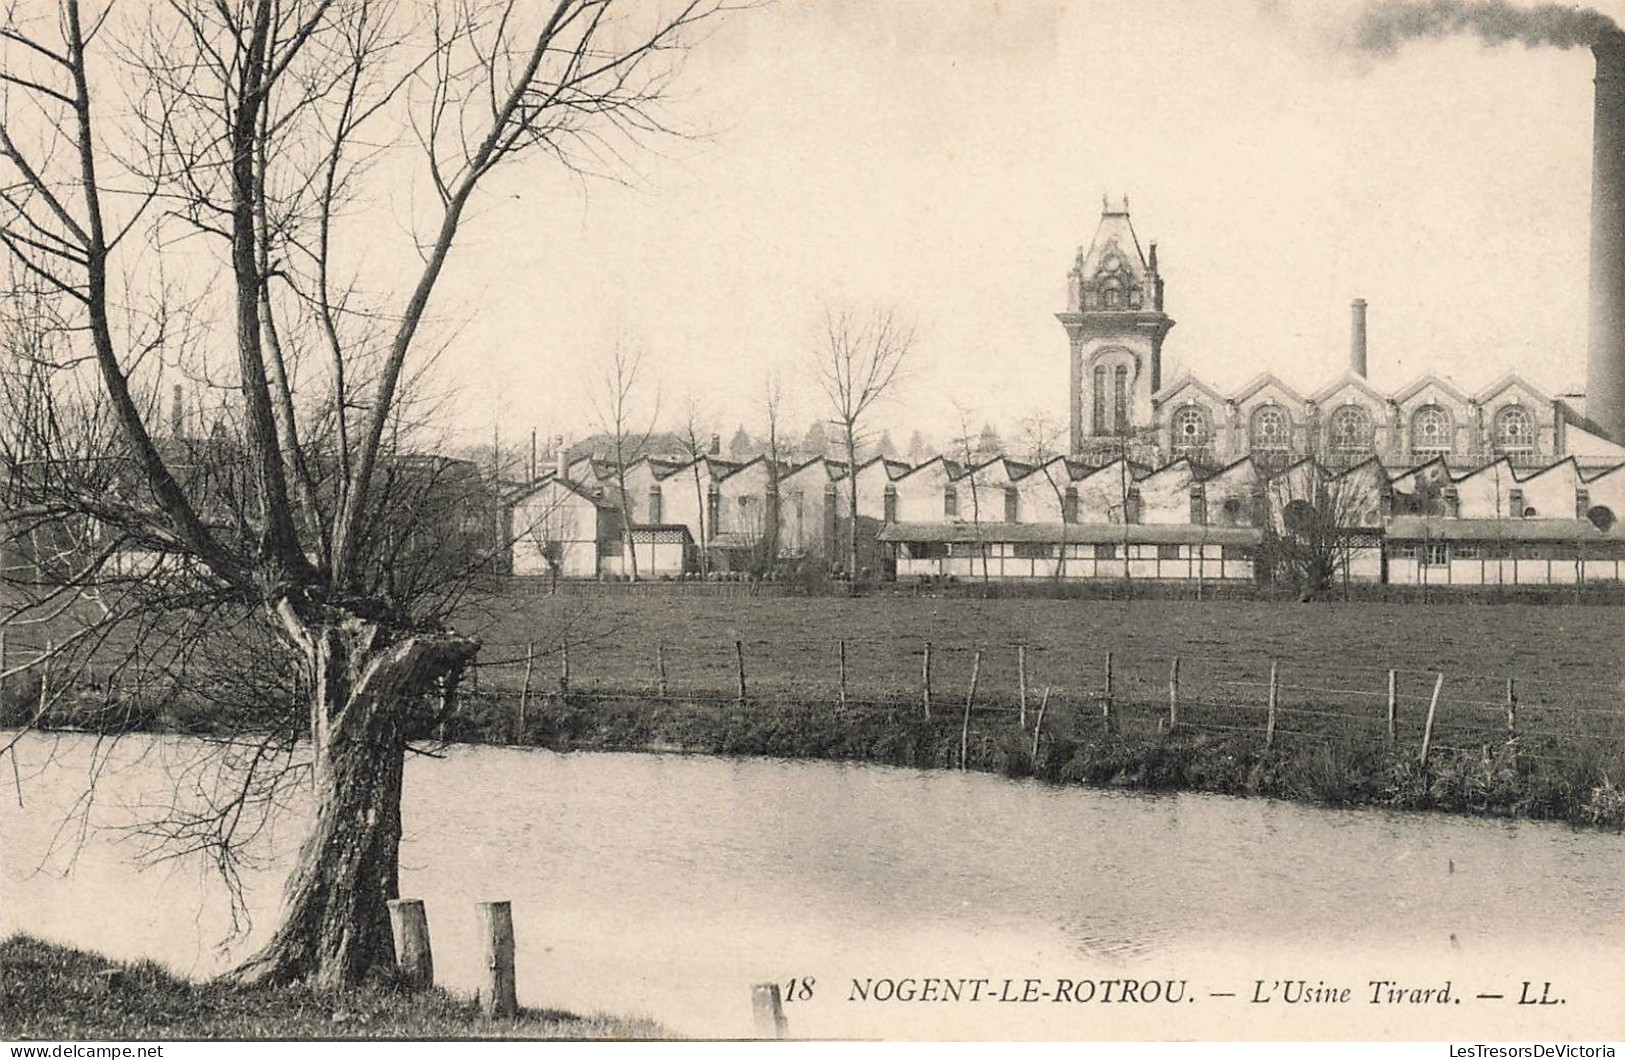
1349,428
1442,553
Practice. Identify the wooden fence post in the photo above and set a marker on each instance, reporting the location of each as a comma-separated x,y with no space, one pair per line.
2,664
1427,728
1269,724
524,689
970,697
767,1009
925,679
1173,695
564,667
660,668
1038,723
739,653
413,957
1106,705
1021,672
1393,707
496,992
1512,708
843,674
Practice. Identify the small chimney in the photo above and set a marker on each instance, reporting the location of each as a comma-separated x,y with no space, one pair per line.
1605,353
561,457
716,445
177,418
1357,338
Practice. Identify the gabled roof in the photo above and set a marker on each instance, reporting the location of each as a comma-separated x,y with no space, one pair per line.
1259,383
1169,467
1347,379
1234,465
555,482
1362,465
1425,380
1510,379
1502,462
952,469
1605,472
1535,473
1184,382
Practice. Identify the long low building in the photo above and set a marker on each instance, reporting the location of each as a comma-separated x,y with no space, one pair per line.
1073,550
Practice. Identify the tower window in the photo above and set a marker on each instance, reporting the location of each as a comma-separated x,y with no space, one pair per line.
1120,399
1430,430
1100,400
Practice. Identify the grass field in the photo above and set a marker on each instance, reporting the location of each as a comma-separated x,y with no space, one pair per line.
1332,658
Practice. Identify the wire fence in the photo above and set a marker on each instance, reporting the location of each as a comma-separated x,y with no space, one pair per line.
1117,693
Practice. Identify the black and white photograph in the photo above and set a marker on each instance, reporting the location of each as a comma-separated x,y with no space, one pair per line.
834,520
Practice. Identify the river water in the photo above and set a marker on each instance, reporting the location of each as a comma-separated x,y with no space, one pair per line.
665,885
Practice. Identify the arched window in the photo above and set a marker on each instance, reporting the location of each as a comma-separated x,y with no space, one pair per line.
889,500
1513,430
655,511
950,502
1069,505
1348,430
1271,430
1100,400
1012,504
1191,429
1120,398
1431,431
1111,294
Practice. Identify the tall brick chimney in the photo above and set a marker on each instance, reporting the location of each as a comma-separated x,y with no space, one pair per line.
1605,356
1357,337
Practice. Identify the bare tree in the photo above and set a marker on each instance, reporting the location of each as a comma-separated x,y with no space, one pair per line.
1314,522
263,130
965,449
858,359
1044,439
772,403
629,419
694,434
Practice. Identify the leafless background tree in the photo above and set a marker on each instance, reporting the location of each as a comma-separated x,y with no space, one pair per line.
857,361
627,406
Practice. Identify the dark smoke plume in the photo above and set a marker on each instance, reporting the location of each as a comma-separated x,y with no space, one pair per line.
1385,25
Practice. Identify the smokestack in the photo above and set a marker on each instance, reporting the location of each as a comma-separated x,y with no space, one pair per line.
561,457
1605,356
1357,338
716,445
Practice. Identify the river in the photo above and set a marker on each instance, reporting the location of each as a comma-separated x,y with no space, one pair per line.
666,884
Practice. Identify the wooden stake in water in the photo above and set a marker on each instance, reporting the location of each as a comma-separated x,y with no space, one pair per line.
1512,709
925,679
564,668
1393,707
970,697
1021,673
739,652
1038,722
767,1011
1427,728
413,957
1269,724
497,997
1173,695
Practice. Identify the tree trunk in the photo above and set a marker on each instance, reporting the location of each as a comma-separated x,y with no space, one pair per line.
852,503
369,698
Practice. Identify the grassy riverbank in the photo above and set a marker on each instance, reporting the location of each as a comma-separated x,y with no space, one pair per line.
1331,765
50,992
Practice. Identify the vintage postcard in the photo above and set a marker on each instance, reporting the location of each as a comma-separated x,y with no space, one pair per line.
1047,520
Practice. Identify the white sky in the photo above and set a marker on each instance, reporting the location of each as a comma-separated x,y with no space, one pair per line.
948,157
